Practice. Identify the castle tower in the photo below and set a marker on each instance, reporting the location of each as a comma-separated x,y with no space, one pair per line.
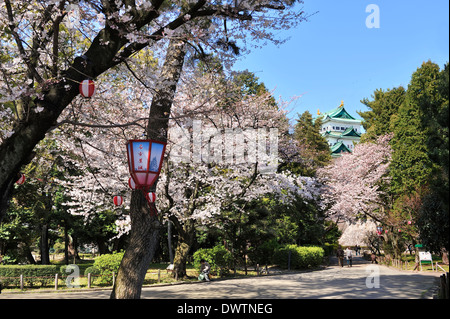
341,130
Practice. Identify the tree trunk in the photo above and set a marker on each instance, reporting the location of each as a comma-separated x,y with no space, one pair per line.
185,242
102,247
144,239
29,255
45,255
169,240
144,232
66,243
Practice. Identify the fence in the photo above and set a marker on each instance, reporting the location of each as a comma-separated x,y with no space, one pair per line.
396,263
59,281
443,287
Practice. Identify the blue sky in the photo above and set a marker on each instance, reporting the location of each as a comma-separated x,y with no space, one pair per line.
335,57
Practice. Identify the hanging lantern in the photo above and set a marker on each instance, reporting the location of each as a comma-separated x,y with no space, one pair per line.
379,230
144,161
87,88
131,183
21,179
118,200
399,230
151,197
386,231
409,222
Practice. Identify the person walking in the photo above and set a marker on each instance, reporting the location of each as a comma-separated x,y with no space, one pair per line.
348,256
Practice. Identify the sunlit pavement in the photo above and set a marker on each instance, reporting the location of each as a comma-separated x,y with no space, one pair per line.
361,281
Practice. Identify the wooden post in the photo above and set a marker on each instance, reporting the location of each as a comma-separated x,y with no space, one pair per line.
114,278
159,276
89,280
56,281
21,282
289,260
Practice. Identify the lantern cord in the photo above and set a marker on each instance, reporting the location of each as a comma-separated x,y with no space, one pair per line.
153,210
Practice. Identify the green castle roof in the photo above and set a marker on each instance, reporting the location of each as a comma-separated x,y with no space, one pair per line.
339,148
350,131
339,113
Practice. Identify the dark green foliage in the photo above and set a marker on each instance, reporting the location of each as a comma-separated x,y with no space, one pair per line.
263,254
315,149
384,105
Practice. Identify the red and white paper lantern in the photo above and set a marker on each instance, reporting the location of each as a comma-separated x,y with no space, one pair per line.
151,197
118,200
21,180
131,183
87,88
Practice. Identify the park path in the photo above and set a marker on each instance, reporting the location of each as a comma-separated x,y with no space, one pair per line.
333,282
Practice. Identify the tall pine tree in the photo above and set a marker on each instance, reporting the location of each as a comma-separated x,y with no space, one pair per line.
411,166
316,152
381,109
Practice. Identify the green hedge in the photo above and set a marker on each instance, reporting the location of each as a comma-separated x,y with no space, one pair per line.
106,265
33,274
301,257
218,257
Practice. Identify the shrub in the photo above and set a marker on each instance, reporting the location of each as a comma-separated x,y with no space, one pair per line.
33,274
301,257
107,264
94,273
92,270
218,257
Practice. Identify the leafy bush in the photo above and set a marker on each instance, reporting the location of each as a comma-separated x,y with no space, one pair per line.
301,257
218,257
92,270
107,264
95,279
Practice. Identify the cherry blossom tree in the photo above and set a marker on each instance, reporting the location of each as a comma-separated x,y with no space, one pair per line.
53,45
49,47
196,185
355,182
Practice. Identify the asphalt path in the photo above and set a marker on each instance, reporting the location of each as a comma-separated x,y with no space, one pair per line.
361,281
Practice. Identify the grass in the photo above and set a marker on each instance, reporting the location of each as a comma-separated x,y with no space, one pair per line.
410,259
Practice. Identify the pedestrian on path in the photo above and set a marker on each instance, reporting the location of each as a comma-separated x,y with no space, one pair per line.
348,256
340,256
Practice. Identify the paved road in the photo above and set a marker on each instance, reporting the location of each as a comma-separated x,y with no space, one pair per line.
332,282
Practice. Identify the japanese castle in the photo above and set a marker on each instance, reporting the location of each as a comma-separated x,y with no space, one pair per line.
340,129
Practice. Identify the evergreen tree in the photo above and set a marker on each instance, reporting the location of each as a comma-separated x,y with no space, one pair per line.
383,106
411,166
316,150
